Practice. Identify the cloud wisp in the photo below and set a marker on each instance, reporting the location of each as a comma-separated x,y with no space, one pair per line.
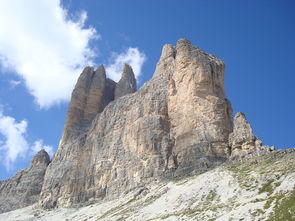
44,47
13,142
131,56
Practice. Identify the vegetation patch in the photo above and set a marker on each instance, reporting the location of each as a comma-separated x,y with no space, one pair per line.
257,212
267,187
284,209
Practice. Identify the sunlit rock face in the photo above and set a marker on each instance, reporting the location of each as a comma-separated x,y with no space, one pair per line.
199,113
116,139
24,187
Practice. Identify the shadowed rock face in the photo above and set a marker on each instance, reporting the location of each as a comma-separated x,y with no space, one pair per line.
178,123
24,187
127,83
91,94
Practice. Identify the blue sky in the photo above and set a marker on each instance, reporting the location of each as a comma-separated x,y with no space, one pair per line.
45,45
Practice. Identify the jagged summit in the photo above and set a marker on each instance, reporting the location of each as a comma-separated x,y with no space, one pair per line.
92,93
127,71
41,157
127,83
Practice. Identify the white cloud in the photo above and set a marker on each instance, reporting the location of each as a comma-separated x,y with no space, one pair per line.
131,56
38,145
13,143
43,46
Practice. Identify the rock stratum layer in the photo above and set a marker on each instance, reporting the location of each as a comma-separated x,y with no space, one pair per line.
117,139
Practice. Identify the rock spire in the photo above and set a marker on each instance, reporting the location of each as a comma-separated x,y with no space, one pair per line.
127,83
242,141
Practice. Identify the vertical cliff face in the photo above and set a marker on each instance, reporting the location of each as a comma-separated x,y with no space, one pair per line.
91,94
199,113
178,123
24,187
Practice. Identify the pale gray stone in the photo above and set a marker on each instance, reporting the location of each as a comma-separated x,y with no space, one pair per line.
177,124
127,83
242,141
24,187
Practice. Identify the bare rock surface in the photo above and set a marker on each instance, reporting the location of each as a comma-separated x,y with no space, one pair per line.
177,124
127,83
199,113
91,94
242,141
24,187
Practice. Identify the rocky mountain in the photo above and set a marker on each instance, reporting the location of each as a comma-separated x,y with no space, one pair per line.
110,146
24,188
118,142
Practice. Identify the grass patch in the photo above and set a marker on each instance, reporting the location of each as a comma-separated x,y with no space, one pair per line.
284,209
210,197
267,187
257,212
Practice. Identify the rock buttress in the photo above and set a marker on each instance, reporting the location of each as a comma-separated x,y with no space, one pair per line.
199,113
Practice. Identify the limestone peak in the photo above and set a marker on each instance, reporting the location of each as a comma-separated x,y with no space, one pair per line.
183,42
40,157
168,50
127,83
242,141
127,71
101,70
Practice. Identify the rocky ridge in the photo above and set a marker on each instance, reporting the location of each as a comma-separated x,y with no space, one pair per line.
24,188
117,140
